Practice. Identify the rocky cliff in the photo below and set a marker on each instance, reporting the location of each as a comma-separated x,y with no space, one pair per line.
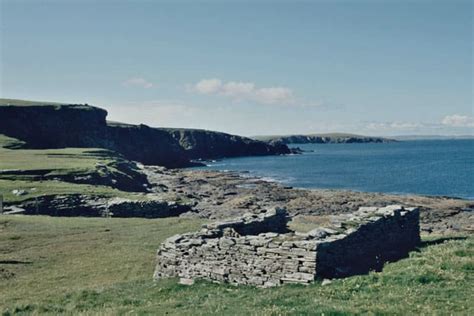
202,143
151,146
52,125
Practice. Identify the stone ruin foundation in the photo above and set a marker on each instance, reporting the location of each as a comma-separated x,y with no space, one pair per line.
258,249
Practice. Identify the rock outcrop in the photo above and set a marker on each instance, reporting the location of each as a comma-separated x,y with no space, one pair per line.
255,250
80,125
111,170
89,206
213,145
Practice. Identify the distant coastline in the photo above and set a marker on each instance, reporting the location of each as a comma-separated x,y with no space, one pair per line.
347,138
431,137
328,138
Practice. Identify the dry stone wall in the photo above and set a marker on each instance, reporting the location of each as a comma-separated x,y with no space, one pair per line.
257,249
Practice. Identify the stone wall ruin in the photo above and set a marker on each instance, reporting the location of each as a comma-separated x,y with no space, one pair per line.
258,249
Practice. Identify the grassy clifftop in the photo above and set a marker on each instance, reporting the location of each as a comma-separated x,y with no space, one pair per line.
17,102
56,105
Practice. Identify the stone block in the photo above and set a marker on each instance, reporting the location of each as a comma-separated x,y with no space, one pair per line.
226,242
186,281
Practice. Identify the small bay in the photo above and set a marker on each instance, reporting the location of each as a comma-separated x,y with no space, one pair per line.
427,167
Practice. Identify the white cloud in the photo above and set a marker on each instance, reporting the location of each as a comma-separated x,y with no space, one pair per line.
457,120
238,90
137,82
208,86
154,113
245,91
274,95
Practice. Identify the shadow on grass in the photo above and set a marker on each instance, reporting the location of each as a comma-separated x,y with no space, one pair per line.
438,241
375,261
14,262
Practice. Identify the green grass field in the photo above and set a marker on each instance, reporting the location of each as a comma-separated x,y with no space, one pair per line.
104,266
41,188
55,165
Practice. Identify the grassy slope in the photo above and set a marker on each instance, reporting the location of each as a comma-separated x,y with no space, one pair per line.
90,266
56,162
10,142
40,188
69,160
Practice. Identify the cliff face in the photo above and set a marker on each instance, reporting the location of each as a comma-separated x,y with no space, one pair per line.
54,126
75,125
151,146
208,145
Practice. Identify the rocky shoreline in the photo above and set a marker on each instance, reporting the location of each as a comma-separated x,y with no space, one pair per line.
218,194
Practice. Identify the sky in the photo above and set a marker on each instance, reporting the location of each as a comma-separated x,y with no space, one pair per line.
249,67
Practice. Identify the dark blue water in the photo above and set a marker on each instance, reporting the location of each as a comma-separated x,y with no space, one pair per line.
431,167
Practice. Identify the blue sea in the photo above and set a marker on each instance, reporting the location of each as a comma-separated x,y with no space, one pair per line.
427,167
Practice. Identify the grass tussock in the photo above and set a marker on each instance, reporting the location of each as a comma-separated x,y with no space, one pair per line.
104,266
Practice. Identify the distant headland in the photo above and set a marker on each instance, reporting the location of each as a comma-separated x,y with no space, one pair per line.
328,138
